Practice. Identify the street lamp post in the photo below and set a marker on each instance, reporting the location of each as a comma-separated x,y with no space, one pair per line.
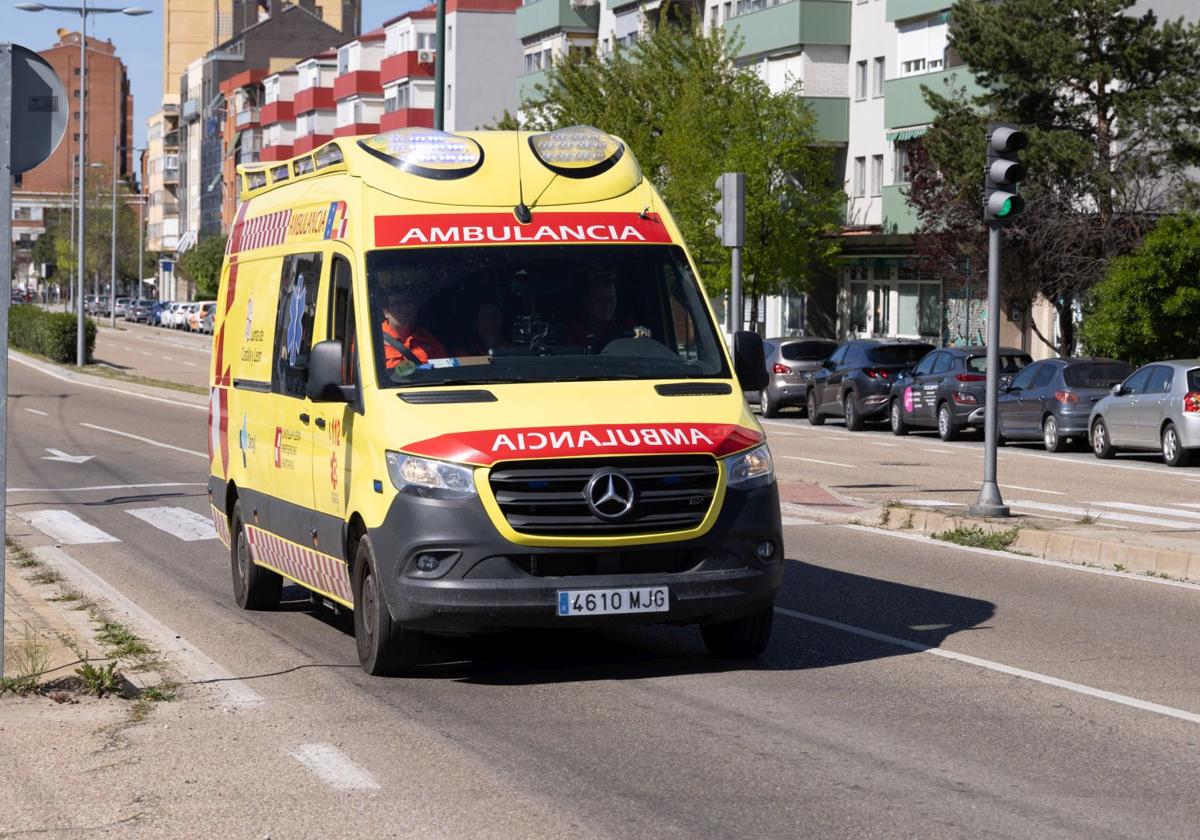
83,11
112,246
141,220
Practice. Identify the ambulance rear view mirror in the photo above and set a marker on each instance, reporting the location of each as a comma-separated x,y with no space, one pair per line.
749,361
325,373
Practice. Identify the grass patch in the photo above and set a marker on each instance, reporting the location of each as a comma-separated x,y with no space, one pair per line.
65,597
21,558
30,657
44,577
99,681
976,537
121,376
121,641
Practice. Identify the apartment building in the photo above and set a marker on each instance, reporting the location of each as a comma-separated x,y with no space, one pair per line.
407,70
47,189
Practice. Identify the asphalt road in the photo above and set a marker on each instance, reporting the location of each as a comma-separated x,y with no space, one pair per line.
1069,706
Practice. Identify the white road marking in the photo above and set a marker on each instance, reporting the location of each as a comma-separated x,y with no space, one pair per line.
931,503
1186,514
1186,504
1023,558
59,455
1033,489
38,413
816,461
203,455
190,364
999,667
938,451
881,443
66,528
187,525
333,767
1091,511
198,665
796,520
168,359
48,371
105,487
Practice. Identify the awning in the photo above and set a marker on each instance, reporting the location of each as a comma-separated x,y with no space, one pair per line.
906,134
187,240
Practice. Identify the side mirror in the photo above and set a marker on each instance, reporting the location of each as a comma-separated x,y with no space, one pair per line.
749,361
1117,389
325,373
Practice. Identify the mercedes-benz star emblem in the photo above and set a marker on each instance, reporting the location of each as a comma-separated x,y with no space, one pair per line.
609,494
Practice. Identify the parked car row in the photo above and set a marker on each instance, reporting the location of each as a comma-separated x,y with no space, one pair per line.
194,316
1088,401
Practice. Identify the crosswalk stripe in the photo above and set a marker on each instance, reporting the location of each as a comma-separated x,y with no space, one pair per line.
1105,515
66,528
1186,514
182,523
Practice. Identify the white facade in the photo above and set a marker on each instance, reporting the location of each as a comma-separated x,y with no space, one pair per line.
481,68
869,157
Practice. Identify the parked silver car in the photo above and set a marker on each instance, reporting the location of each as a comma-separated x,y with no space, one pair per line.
1157,407
790,363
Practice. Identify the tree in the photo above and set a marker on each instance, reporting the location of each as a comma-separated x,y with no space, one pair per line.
1111,103
1147,307
689,113
202,265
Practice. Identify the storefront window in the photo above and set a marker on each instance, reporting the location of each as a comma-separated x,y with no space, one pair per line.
858,307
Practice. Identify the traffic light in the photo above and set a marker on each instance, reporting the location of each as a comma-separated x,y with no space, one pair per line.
731,209
1000,200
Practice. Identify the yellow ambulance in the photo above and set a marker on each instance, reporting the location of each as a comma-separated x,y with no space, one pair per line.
465,382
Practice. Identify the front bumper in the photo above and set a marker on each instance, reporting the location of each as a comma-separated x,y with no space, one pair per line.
485,582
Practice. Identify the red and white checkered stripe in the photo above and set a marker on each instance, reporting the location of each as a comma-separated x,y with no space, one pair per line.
265,231
322,572
221,524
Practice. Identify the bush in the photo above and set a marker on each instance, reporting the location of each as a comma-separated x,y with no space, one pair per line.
49,334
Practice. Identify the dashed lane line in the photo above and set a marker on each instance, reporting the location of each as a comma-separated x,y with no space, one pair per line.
66,528
181,523
1033,489
816,461
141,439
334,768
38,413
998,667
106,487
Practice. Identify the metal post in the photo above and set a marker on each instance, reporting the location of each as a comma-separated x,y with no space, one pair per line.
112,246
989,502
5,293
439,69
81,247
141,249
735,287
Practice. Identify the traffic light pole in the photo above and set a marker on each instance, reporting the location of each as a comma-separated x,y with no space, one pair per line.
990,502
735,288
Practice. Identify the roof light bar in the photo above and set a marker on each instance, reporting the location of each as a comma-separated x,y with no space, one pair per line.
579,151
426,152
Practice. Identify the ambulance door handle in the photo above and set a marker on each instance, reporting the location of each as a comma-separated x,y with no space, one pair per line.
304,419
320,422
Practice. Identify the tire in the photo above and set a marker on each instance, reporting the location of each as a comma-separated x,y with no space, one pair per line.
896,416
254,588
1051,440
854,421
384,647
1101,441
815,417
742,638
766,407
1174,455
945,421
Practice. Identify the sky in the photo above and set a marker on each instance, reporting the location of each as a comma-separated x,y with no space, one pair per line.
138,41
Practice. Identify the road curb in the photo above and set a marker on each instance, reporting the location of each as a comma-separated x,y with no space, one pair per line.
1053,544
130,388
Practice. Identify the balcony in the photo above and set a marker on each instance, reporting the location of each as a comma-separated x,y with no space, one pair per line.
527,86
278,111
170,175
552,15
792,24
191,110
314,99
358,83
246,118
898,215
832,117
278,152
405,65
904,105
407,118
905,9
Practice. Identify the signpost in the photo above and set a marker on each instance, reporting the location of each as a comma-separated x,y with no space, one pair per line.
33,117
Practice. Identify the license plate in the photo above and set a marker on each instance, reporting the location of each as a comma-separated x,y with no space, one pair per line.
613,601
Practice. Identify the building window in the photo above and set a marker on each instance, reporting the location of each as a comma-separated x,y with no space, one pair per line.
425,41
876,174
449,97
627,25
912,66
877,87
449,38
397,98
858,307
920,309
860,176
76,71
860,80
343,59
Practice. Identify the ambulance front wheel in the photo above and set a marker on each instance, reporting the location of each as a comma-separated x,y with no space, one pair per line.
384,647
254,588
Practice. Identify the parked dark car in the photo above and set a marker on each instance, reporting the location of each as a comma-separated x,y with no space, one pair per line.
790,364
1051,400
856,381
947,390
139,309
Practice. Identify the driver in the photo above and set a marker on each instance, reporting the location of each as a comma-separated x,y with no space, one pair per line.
406,345
600,324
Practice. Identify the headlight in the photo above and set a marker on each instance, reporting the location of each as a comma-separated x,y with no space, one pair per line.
429,479
748,466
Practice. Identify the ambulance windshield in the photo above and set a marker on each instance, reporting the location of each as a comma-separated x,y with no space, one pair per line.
538,313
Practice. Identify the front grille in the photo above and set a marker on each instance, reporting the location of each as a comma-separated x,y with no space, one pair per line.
672,493
607,563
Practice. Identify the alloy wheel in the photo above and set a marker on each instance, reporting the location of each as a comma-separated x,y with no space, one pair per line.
1050,433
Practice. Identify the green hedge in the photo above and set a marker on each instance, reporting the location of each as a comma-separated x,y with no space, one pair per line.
50,334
